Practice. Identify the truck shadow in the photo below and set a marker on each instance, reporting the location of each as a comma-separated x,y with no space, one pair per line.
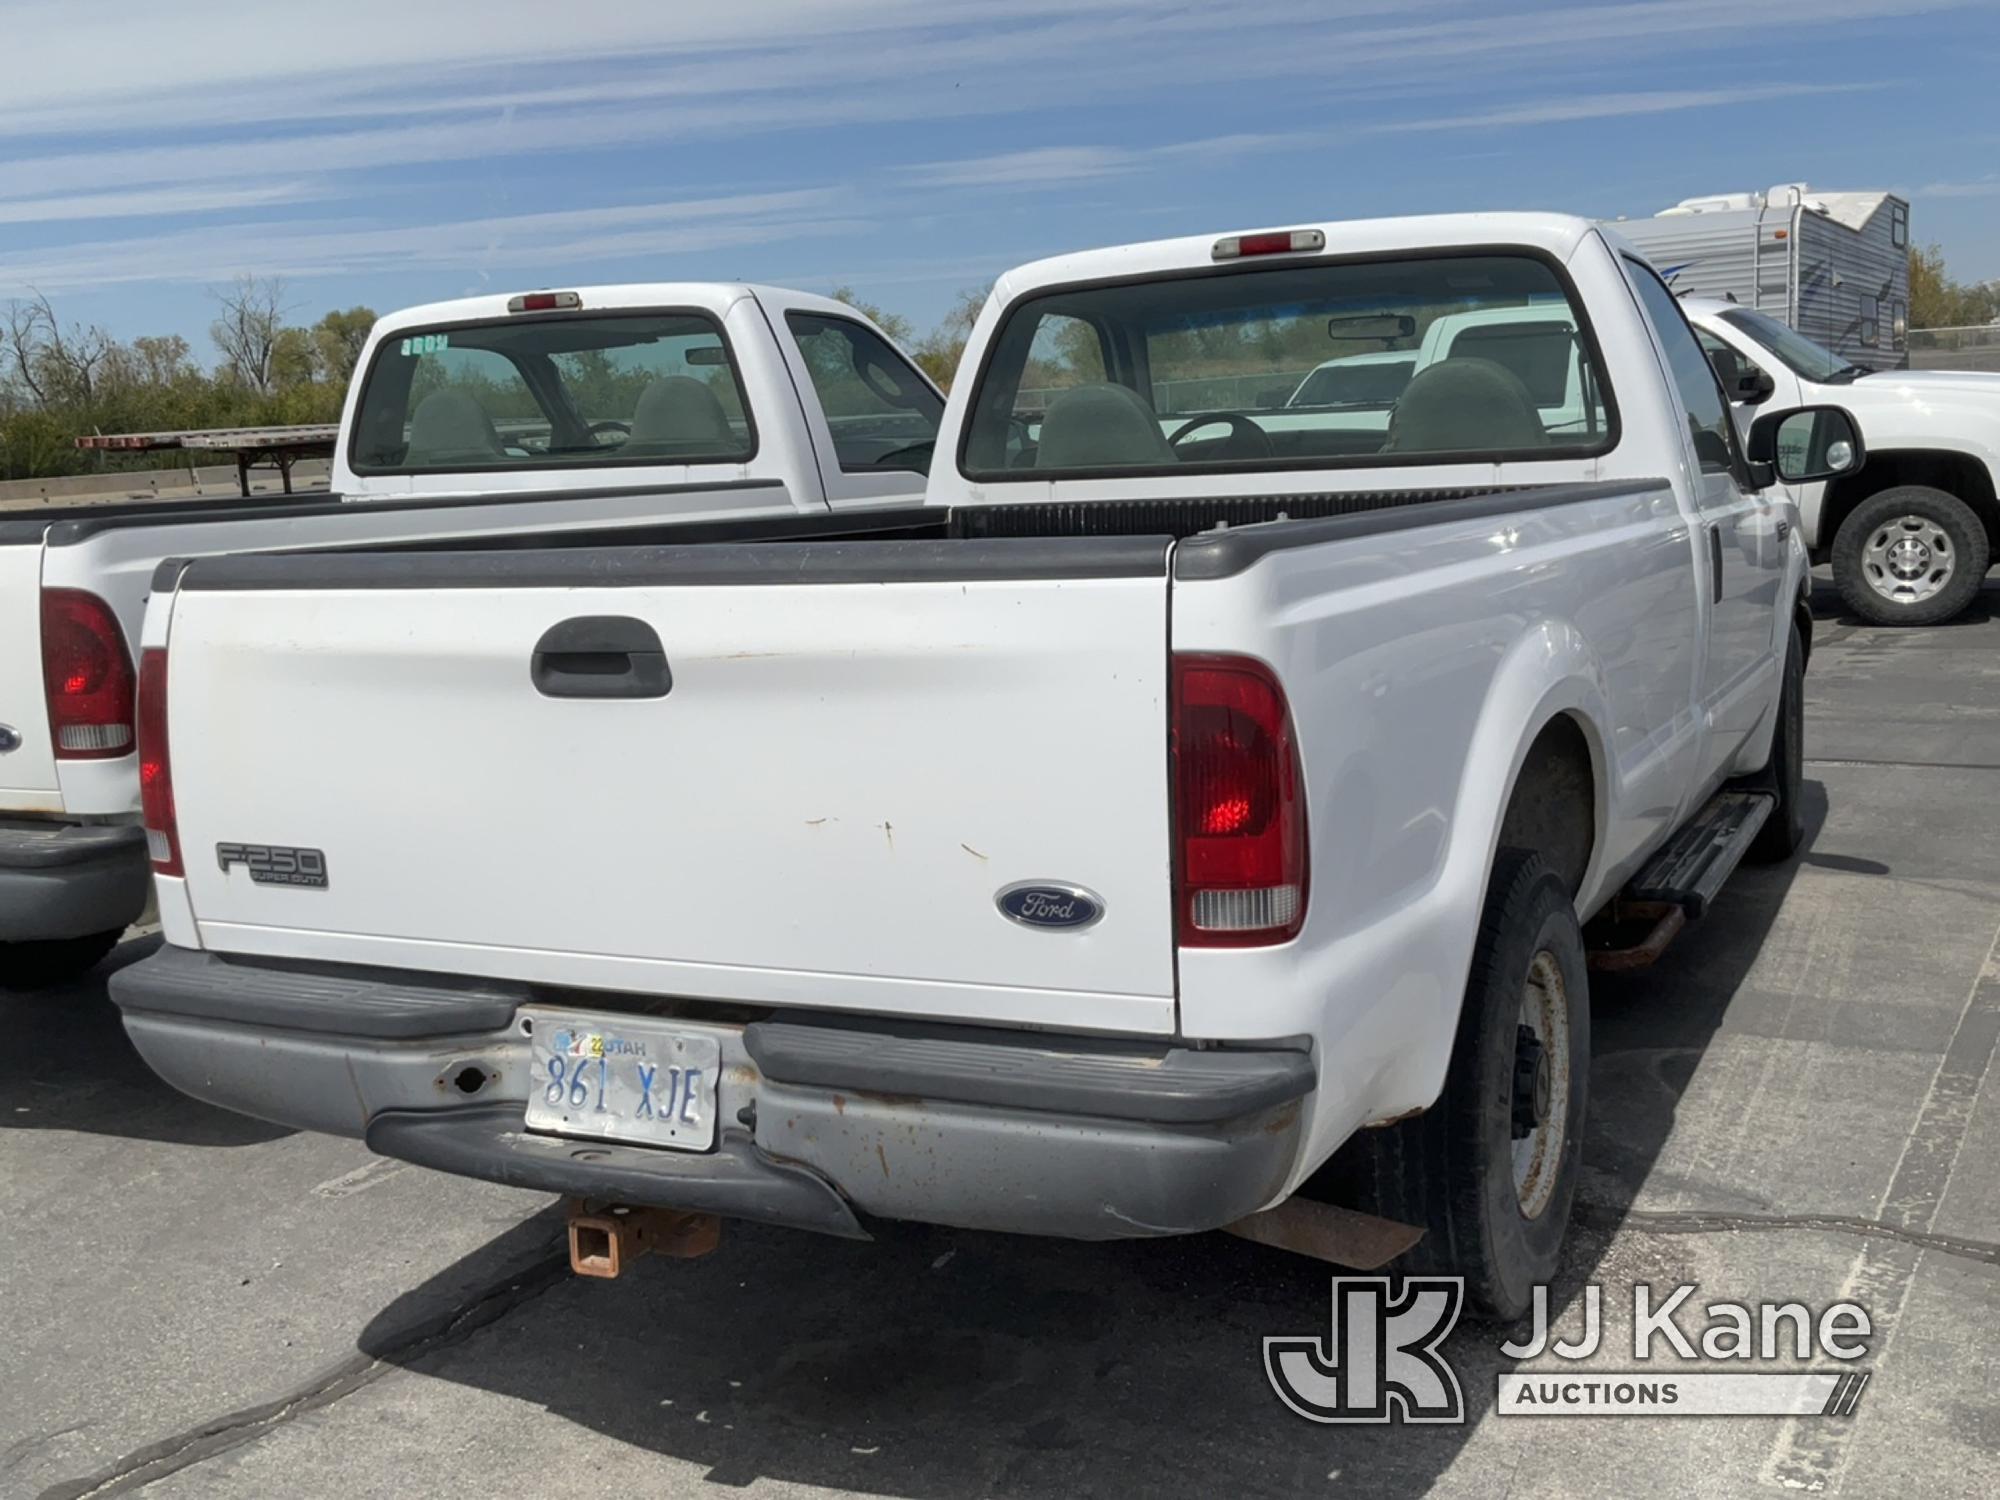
1651,1028
71,1067
951,1365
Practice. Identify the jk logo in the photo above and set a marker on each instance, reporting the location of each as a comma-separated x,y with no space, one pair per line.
1381,1353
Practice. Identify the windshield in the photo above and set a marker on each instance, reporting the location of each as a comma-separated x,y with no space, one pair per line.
565,392
1258,368
1362,380
1794,348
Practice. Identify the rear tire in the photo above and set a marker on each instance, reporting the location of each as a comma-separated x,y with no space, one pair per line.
35,966
1491,1183
1911,555
1784,775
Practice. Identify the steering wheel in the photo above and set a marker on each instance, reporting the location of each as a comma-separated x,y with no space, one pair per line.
1239,426
610,426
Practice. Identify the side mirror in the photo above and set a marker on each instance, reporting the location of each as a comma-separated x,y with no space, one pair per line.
1807,443
1273,399
1752,387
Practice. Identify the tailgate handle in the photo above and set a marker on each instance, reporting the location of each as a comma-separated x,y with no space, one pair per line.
600,656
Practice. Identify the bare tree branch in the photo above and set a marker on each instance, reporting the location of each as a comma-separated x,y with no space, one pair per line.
246,335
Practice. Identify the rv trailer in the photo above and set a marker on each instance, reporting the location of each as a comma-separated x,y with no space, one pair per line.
1835,266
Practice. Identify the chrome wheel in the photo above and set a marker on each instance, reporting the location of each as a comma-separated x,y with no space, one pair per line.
1541,1084
1909,559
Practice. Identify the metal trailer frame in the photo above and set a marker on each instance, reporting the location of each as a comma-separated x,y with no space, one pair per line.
279,447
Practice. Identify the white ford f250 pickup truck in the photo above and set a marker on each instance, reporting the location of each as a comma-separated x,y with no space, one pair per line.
1911,533
604,410
1192,799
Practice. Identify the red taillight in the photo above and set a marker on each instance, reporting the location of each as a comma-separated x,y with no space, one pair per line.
156,776
87,673
1239,804
1276,242
544,302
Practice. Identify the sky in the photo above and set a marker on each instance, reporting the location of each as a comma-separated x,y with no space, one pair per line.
390,152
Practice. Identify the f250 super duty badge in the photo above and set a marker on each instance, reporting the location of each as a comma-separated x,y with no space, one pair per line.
274,864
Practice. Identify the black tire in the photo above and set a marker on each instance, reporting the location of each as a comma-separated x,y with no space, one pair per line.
1451,1169
35,966
1784,774
1960,543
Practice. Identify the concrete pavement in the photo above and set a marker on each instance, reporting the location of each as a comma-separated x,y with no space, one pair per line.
1795,1104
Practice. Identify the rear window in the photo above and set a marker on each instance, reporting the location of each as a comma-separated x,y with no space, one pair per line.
1259,368
563,392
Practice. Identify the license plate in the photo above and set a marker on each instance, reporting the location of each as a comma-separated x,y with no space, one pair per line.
622,1078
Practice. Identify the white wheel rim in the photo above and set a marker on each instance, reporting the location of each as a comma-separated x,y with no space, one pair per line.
1538,1151
1908,560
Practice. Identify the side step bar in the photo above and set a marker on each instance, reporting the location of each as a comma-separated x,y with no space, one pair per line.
1695,862
1678,884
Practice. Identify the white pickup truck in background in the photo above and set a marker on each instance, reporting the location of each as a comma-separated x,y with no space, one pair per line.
607,410
1910,535
1537,343
1210,796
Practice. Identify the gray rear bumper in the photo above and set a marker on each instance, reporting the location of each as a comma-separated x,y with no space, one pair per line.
825,1120
69,880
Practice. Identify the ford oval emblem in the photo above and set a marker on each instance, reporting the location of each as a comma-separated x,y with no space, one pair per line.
10,738
1051,904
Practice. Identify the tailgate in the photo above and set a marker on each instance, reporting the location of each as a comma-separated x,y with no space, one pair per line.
27,770
859,748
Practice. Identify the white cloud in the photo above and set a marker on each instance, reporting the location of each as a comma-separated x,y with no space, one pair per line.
1049,166
1610,106
159,203
1983,187
551,242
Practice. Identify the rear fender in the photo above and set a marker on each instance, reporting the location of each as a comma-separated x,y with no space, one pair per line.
1549,671
1381,997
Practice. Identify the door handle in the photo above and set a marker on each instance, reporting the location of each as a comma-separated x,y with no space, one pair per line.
1715,560
600,656
1784,530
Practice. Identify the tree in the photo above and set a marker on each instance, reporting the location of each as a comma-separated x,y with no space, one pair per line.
895,325
21,336
162,359
253,315
939,351
1937,301
339,337
56,366
1932,294
61,380
294,359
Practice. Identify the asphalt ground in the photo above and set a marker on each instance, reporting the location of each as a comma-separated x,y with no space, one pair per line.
1793,1105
